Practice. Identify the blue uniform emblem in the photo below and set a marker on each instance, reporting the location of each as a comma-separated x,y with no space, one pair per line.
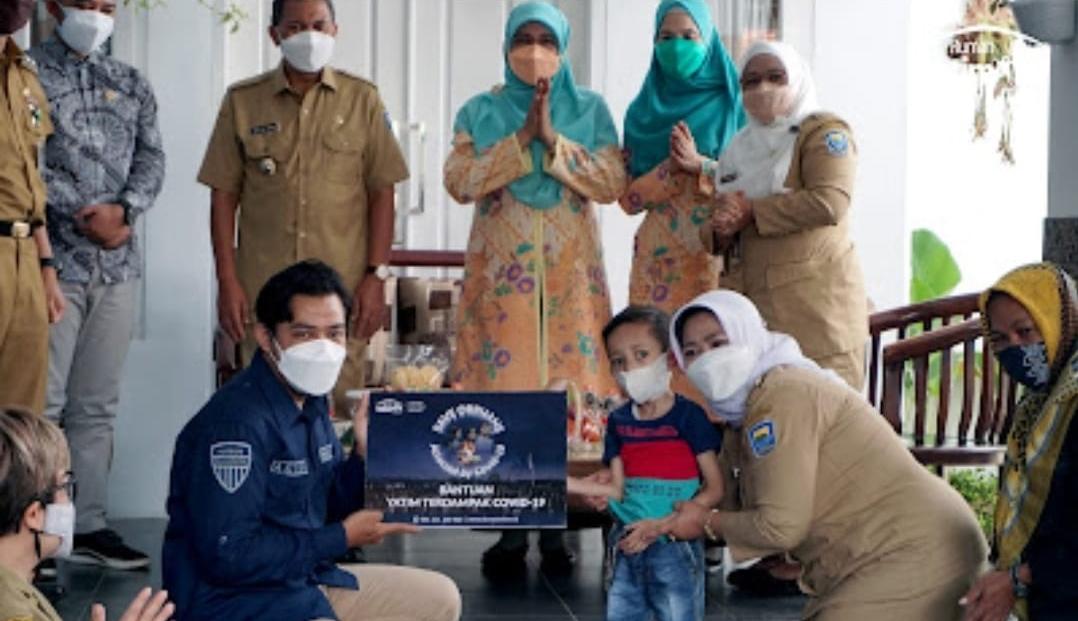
762,438
231,463
838,143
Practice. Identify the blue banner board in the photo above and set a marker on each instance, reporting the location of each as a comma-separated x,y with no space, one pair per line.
459,459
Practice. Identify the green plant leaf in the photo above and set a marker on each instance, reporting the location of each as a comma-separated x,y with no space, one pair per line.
933,270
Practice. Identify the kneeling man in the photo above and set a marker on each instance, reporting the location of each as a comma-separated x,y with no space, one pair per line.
261,498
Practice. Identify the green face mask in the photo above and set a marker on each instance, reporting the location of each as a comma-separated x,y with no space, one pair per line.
680,58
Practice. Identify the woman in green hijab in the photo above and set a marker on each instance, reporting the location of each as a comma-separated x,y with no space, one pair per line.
533,154
691,88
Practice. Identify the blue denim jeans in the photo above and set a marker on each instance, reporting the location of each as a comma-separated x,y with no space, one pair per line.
665,582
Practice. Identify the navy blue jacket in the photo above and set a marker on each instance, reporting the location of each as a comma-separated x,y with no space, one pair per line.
256,494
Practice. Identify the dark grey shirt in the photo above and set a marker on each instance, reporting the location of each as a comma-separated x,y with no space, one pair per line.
106,149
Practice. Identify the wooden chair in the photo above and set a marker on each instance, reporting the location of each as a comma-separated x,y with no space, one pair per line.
897,322
988,396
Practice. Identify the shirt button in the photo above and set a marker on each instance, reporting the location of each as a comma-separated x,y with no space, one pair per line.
302,235
306,111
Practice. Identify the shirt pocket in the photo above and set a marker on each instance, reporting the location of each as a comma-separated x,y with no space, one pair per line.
290,486
343,157
265,158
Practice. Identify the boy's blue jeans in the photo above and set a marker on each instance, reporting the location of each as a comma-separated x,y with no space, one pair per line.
665,582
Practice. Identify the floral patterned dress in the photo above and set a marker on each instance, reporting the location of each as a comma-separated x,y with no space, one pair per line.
535,295
671,266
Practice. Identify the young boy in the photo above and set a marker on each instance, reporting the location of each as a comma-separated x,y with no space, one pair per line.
658,446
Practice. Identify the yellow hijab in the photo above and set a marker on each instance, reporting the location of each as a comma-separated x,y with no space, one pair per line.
1041,422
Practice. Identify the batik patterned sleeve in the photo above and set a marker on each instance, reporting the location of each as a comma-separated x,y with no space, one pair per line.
147,174
471,173
598,176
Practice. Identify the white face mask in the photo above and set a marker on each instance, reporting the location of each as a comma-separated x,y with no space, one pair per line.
720,372
85,31
308,51
313,367
60,522
646,383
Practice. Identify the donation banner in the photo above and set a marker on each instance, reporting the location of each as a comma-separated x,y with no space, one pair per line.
459,459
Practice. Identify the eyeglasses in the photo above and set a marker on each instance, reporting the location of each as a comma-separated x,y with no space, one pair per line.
70,487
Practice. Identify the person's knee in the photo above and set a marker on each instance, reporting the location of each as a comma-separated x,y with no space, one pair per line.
445,599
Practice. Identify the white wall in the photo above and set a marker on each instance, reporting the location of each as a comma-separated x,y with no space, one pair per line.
990,213
860,62
168,375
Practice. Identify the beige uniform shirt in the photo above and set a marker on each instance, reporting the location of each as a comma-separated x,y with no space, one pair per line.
302,168
20,601
822,476
798,264
24,125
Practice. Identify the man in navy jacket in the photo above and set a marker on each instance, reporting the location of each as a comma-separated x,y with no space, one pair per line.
262,497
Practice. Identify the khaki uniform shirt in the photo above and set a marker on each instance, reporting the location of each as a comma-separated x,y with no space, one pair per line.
20,601
302,168
24,125
798,264
822,476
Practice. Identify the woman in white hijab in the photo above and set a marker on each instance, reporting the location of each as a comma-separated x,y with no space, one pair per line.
781,219
820,476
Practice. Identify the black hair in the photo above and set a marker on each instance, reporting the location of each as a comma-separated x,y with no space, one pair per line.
655,319
278,10
311,277
684,317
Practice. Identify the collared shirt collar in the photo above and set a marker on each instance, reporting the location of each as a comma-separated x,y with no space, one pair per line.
58,51
328,78
279,396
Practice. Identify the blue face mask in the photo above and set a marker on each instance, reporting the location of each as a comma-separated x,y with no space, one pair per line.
1026,364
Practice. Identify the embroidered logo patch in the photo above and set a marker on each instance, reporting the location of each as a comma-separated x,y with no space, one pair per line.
231,463
325,453
838,143
293,468
762,438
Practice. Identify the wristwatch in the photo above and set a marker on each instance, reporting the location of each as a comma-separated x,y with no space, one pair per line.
1021,589
380,271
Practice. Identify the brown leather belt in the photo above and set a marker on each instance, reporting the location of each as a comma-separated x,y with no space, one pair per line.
19,229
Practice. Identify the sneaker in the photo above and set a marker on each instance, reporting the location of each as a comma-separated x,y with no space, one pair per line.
713,559
105,548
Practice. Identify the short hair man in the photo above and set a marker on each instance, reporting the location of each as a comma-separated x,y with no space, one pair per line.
261,498
104,167
303,162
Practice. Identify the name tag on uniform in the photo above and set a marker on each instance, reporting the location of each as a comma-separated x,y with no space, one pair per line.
267,128
293,468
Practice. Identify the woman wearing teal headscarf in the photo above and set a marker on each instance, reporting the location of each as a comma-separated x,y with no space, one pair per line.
533,154
692,87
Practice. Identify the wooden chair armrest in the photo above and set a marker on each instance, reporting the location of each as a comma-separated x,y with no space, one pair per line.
931,342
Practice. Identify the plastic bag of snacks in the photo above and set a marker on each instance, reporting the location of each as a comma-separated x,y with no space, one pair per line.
586,421
416,367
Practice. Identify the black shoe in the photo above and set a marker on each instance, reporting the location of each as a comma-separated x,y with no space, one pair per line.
758,581
105,548
557,562
501,562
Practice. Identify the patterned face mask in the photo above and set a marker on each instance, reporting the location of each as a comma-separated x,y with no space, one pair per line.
1027,364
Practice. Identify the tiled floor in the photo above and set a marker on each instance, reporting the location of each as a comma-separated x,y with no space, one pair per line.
455,553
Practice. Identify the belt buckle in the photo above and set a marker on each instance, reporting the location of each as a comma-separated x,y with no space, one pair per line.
20,230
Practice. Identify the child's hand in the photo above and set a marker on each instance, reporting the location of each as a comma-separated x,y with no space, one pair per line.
602,477
640,535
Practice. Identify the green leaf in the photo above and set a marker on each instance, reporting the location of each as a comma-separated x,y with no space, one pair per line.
933,270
